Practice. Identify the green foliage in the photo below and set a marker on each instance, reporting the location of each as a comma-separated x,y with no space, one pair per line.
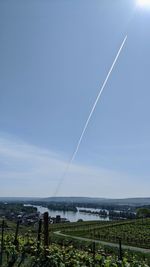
16,207
64,252
62,206
27,255
143,213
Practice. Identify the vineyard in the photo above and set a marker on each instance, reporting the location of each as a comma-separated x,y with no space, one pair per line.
28,247
133,233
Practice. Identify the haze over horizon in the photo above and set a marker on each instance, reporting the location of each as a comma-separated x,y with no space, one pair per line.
55,56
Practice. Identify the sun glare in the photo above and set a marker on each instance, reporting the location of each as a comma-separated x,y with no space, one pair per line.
143,3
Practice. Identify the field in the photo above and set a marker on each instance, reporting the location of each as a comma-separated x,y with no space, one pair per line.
29,247
133,233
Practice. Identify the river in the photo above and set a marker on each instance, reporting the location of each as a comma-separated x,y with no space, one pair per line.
72,216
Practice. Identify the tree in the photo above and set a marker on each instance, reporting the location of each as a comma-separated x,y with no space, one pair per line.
143,213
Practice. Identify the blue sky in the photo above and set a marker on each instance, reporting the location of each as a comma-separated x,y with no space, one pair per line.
55,56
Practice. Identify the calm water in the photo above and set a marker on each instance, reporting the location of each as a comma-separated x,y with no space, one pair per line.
72,216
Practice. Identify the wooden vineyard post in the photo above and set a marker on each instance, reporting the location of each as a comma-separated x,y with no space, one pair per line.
94,249
16,243
2,244
120,250
46,233
39,234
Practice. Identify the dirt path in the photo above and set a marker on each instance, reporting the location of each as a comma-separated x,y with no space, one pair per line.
137,249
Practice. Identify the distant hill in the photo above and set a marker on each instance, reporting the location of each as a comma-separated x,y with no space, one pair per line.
125,201
19,199
74,199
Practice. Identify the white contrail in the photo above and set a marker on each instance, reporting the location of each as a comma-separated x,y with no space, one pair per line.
96,101
91,113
